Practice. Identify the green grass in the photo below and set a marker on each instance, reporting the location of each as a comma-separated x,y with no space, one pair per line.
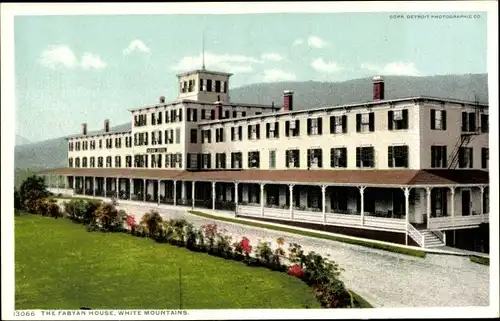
59,265
385,247
480,260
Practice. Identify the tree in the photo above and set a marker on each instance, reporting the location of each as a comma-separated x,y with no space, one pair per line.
32,189
17,200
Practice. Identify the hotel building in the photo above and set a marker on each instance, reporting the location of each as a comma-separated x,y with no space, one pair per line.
407,170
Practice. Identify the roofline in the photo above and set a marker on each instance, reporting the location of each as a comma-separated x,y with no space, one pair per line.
192,101
204,71
345,106
100,134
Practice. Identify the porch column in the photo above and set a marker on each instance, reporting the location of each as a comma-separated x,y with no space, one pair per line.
93,186
158,192
192,194
183,190
213,196
131,189
323,192
74,184
48,180
481,209
144,190
235,199
84,185
407,210
362,194
105,190
175,193
290,188
262,186
117,187
452,189
66,183
428,194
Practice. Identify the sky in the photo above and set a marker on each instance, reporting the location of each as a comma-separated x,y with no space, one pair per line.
87,68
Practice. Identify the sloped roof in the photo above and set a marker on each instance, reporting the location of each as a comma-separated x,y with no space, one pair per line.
347,177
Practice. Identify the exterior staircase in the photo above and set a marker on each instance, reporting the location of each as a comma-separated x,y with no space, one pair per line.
431,239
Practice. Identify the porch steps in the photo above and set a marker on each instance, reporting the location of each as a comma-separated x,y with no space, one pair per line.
431,239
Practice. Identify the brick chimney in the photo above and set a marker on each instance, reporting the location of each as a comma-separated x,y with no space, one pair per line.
162,99
84,128
287,100
106,126
218,109
378,88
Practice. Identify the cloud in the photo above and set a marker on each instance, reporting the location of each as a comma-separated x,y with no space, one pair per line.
136,46
92,61
272,56
327,67
224,62
61,56
273,75
316,42
393,68
58,56
298,42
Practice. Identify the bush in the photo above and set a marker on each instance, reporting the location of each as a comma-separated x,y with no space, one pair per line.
108,218
32,188
223,245
264,253
18,205
210,232
81,211
190,235
151,223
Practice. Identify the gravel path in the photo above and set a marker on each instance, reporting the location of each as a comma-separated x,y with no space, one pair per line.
383,278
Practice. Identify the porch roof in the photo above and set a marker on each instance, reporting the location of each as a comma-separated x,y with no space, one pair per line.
333,177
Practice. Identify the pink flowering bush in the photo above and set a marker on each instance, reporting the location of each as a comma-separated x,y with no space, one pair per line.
296,270
130,221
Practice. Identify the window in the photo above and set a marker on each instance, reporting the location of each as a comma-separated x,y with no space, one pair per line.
365,122
159,120
235,114
167,160
398,119
92,161
153,161
179,114
192,160
206,136
485,123
118,161
219,135
177,135
314,126
140,120
84,161
153,119
77,162
217,86
100,143
253,160
397,156
209,85
202,85
128,161
485,157
100,161
108,161
203,114
153,138
206,161
220,160
193,136
188,114
468,122
254,131
272,130
438,119
439,157
292,158
365,157
243,114
236,133
70,147
486,200
338,124
292,128
194,115
272,159
338,157
226,114
439,202
236,160
70,162
212,114
465,156
314,158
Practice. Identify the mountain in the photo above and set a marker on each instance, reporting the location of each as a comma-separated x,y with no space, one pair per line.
53,153
20,140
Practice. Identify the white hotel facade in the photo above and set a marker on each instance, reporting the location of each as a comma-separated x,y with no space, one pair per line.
404,170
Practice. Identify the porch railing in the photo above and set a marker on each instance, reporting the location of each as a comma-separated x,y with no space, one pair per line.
440,235
418,237
439,223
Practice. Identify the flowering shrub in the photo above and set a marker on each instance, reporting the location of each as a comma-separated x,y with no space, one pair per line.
130,220
108,218
223,245
264,252
296,270
210,232
245,245
151,222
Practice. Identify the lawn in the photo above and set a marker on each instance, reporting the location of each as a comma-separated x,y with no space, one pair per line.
59,265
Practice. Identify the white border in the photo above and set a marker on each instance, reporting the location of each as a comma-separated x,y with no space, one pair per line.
8,11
